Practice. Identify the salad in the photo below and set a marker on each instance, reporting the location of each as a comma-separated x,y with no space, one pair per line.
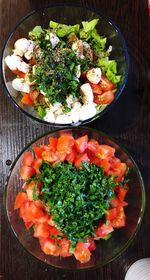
64,72
73,195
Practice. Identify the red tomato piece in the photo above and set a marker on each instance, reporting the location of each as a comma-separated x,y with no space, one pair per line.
64,248
38,151
49,246
21,198
105,98
28,225
118,169
104,229
36,164
30,188
106,84
41,98
50,156
92,145
71,157
30,212
80,158
33,94
105,152
82,253
115,202
65,144
91,244
27,159
27,100
111,214
53,144
96,88
42,230
122,192
105,164
81,143
26,172
120,220
19,73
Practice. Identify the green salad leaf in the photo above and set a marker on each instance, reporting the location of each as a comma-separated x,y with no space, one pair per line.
36,33
88,26
63,29
109,67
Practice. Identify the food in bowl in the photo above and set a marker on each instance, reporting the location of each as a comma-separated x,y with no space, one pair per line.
64,72
73,194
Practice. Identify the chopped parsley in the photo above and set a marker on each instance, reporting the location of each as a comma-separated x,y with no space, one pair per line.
77,198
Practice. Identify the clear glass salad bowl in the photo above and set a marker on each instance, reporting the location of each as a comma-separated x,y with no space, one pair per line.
106,251
68,15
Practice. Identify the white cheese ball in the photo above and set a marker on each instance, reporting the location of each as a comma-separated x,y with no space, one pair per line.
87,111
20,85
94,75
54,40
74,115
87,93
21,46
15,62
49,117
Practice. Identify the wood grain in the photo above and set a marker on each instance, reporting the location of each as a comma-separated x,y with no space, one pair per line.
128,122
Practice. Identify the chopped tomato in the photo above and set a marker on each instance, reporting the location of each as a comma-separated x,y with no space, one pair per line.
79,159
122,192
105,164
91,244
104,229
28,225
26,172
53,144
96,88
29,190
115,202
27,100
49,246
38,151
19,73
82,253
105,98
120,220
40,98
36,164
64,248
106,84
27,159
65,144
118,169
49,156
40,204
81,143
42,230
30,212
111,214
34,95
21,198
92,145
105,152
71,157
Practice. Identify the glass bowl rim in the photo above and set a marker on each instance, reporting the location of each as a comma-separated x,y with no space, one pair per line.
119,91
142,208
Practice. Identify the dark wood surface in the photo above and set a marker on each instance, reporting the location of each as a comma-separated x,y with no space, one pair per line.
128,122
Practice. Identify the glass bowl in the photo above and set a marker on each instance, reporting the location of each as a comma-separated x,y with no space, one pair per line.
68,15
106,251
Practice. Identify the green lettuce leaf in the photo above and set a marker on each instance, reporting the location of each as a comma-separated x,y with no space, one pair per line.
98,41
63,29
109,67
36,33
88,26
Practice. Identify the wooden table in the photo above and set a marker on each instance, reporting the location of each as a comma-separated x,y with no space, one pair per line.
128,122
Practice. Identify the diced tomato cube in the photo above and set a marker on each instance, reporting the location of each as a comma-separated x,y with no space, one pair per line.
104,229
71,157
19,73
38,151
80,158
122,192
49,246
92,145
53,144
27,100
105,152
21,198
91,244
64,248
65,144
120,220
26,172
42,230
96,88
111,214
82,253
27,159
106,84
28,225
36,164
81,143
50,156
